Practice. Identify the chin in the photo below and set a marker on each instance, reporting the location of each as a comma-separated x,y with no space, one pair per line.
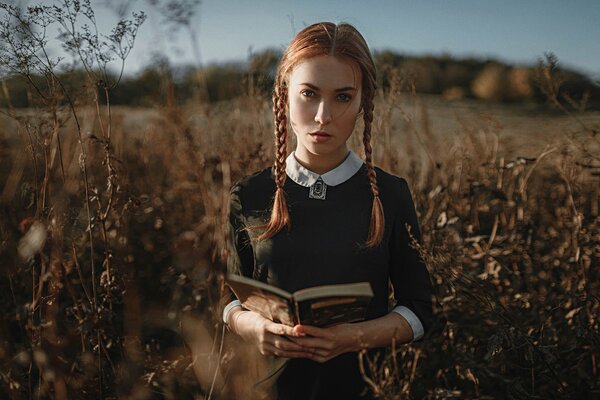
320,150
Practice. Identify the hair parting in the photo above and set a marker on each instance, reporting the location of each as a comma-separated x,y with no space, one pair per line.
332,37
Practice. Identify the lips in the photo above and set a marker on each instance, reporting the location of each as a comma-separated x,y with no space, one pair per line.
320,137
320,134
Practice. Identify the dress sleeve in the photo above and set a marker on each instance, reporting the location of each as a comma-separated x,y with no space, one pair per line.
408,273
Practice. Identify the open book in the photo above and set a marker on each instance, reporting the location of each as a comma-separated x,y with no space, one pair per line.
316,306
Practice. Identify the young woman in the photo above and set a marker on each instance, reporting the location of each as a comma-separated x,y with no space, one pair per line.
322,215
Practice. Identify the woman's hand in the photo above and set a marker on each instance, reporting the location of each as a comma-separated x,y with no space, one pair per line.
327,343
270,337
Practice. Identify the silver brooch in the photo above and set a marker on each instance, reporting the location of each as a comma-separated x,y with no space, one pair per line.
318,190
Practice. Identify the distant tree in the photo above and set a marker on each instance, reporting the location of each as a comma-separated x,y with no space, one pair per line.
490,83
519,84
425,73
223,82
147,89
15,91
386,62
456,74
261,72
388,57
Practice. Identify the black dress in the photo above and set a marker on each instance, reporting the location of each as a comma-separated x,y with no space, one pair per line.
325,245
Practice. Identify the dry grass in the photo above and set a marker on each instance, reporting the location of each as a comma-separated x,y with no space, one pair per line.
508,209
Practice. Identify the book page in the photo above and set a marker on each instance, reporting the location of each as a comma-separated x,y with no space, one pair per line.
257,296
361,289
274,308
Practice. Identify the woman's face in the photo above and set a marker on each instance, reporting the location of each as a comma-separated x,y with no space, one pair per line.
324,101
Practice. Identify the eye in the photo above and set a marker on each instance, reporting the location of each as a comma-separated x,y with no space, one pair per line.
345,97
307,93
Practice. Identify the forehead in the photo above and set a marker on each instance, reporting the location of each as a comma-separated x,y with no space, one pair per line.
326,72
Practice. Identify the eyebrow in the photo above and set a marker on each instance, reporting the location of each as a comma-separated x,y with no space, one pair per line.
344,89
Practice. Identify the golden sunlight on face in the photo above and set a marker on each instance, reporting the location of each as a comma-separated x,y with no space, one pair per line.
324,102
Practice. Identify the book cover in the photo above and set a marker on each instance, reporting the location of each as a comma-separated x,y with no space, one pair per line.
318,306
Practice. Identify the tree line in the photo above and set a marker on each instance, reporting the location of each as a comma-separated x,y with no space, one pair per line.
163,83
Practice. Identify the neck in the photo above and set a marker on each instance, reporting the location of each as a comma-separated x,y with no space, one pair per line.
320,164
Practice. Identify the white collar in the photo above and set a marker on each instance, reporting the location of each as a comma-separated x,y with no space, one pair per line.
340,174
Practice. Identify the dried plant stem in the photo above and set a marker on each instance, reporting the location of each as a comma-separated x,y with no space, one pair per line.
395,360
361,360
493,234
214,379
544,154
78,267
56,134
34,160
413,369
427,131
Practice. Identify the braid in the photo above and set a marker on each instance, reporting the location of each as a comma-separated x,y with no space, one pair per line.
279,110
377,225
280,216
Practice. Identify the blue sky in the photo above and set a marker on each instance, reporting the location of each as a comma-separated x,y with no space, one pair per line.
508,30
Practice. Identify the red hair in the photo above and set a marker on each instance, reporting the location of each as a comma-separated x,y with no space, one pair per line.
344,41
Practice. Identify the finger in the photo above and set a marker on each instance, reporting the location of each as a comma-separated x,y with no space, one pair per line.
286,353
325,354
282,343
295,339
312,331
280,329
313,342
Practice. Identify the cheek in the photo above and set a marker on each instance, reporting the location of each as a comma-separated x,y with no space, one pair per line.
352,116
294,116
299,112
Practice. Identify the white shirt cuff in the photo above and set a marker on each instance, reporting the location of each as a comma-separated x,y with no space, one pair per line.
229,307
413,321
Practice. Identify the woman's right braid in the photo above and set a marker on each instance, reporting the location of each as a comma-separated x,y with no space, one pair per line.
377,224
279,111
279,214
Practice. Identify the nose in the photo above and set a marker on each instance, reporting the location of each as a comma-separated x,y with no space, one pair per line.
323,115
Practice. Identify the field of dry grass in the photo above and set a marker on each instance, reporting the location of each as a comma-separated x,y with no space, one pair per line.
113,230
112,248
